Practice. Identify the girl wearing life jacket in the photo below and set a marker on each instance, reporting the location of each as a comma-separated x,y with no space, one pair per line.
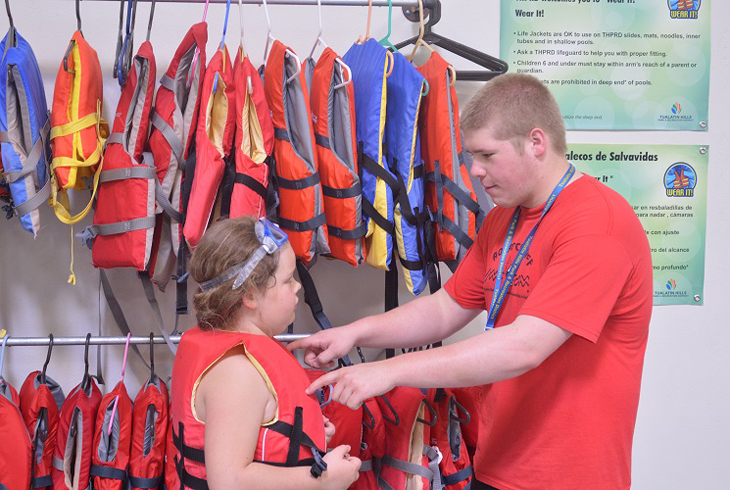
240,414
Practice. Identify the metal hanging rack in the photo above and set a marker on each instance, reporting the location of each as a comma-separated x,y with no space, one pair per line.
342,3
44,341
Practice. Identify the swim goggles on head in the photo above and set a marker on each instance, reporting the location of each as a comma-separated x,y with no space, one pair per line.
271,238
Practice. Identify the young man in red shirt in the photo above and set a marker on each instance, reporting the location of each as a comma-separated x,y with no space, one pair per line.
567,326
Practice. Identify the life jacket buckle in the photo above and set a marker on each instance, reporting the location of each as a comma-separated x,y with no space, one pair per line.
319,465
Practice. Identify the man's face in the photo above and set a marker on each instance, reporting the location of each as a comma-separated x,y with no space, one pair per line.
504,172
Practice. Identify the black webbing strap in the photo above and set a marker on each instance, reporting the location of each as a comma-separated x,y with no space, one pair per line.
372,166
315,305
281,134
334,192
307,225
298,184
353,234
41,481
295,438
293,432
442,181
251,183
457,477
139,482
191,453
226,186
391,294
108,472
322,141
181,279
117,312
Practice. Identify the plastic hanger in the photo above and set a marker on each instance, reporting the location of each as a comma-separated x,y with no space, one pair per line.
362,39
87,377
434,416
48,358
419,42
152,16
396,419
223,43
197,50
242,48
386,40
270,38
492,66
458,407
153,375
116,398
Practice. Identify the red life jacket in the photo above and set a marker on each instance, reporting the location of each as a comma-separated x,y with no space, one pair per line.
124,218
213,142
172,481
254,142
333,114
75,437
471,399
372,448
449,191
298,415
15,452
40,403
301,209
150,418
455,466
110,452
410,462
173,132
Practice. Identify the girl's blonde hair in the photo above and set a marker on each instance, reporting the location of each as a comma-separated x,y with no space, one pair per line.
225,244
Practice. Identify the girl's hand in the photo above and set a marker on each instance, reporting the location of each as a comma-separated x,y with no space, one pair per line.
342,469
329,429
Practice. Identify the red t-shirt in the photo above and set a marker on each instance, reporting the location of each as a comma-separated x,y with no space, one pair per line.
568,423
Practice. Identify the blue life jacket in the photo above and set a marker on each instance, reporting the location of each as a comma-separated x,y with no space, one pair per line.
368,62
403,144
24,130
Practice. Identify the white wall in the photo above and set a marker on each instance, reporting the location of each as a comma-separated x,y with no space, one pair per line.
683,429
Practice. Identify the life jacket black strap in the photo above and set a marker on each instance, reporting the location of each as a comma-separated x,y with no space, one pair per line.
139,482
307,225
298,184
459,476
187,480
343,234
281,134
251,183
311,297
187,452
322,141
354,191
108,472
41,481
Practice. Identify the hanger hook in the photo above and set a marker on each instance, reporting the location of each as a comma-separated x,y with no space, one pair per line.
86,358
269,37
319,40
453,403
370,424
152,356
78,17
434,416
347,81
152,16
10,14
396,419
2,357
240,18
420,30
48,358
225,24
299,66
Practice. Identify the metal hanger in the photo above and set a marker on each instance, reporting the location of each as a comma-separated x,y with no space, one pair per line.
11,31
152,16
396,419
458,407
2,358
270,38
434,416
153,375
492,66
78,17
123,59
85,382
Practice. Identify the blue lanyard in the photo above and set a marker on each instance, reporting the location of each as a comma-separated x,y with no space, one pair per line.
500,290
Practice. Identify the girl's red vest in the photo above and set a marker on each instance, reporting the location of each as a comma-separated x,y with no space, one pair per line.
299,417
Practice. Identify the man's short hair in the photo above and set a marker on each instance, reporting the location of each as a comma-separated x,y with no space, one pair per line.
512,105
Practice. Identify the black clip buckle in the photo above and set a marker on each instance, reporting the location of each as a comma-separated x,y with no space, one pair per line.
319,465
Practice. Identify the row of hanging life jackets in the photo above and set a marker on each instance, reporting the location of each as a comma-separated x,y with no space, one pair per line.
65,443
358,189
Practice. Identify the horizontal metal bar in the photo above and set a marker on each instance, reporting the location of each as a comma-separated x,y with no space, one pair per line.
41,341
340,3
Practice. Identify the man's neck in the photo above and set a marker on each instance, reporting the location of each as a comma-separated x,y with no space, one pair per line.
548,182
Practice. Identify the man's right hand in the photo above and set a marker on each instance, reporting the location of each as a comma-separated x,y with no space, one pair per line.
323,348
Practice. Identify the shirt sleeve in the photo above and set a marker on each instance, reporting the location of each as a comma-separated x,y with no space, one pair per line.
581,285
466,286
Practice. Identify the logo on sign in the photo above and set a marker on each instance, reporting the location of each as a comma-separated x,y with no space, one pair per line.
671,284
684,9
680,180
676,108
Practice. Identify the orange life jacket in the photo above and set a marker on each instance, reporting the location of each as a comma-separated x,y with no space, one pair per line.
124,217
372,448
75,437
301,208
299,416
110,452
254,142
78,131
213,142
15,452
174,121
333,114
172,480
449,191
40,401
150,418
410,462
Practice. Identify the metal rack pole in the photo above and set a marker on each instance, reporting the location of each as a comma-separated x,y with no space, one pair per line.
41,341
341,3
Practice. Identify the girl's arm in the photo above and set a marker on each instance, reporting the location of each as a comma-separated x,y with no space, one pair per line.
232,399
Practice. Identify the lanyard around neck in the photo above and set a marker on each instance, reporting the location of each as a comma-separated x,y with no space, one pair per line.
500,290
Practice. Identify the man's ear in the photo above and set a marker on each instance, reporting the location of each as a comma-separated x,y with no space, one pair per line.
538,142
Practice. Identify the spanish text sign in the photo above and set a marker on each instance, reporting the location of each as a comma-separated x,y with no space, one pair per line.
615,64
667,187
